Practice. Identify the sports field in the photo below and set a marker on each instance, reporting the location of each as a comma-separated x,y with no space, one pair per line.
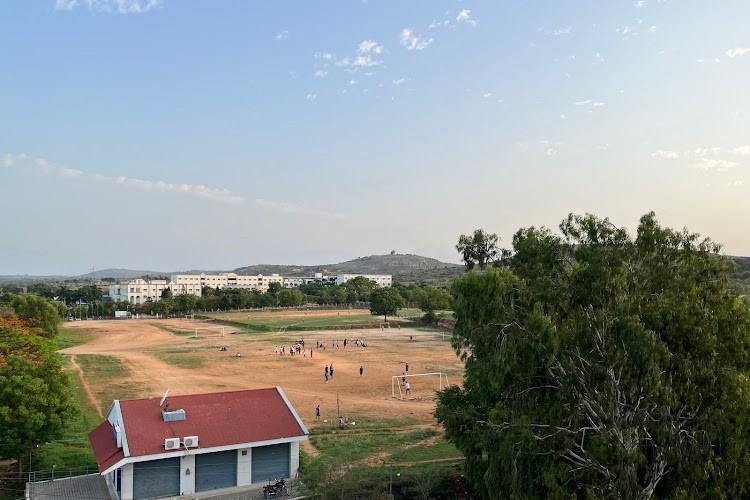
149,356
268,320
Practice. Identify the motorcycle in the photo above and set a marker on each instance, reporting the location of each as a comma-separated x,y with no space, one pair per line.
272,490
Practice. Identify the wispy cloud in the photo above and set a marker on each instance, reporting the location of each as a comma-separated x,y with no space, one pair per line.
738,51
45,168
412,41
559,31
110,6
282,35
439,24
368,52
591,103
465,17
713,164
400,81
321,73
639,3
667,155
311,97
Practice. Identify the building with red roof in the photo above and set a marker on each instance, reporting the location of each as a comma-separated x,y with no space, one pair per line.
187,444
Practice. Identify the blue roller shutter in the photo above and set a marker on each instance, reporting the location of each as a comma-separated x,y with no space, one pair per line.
216,470
270,462
158,478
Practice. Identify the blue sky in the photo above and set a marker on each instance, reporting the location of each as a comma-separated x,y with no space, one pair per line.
174,135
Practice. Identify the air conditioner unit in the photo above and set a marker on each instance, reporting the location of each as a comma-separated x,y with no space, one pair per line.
172,444
190,441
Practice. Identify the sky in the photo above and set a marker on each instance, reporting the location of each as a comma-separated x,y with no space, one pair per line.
171,135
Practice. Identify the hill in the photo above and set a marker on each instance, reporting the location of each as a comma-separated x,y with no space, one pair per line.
405,268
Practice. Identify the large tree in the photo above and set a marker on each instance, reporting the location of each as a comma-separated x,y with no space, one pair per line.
478,249
430,299
601,365
35,402
39,311
385,301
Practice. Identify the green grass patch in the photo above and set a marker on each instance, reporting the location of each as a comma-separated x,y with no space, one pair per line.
175,331
266,321
110,375
359,445
183,359
436,451
69,337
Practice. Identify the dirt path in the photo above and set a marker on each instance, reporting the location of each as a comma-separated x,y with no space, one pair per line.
86,387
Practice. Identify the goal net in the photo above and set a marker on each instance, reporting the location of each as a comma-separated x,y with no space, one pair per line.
422,385
207,331
383,326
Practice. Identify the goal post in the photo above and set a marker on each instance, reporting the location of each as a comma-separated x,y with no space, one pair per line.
216,331
440,380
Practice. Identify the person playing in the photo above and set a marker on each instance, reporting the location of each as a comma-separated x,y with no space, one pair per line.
317,413
361,371
331,370
326,371
311,352
408,388
407,367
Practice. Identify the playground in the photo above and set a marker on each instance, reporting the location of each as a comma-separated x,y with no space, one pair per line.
191,356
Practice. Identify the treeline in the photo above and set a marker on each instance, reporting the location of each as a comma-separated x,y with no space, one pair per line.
87,300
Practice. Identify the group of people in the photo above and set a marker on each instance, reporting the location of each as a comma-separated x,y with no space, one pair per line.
294,349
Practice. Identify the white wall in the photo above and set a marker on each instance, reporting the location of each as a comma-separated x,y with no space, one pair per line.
244,467
187,481
126,482
294,459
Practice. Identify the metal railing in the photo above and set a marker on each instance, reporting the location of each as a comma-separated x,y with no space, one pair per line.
62,472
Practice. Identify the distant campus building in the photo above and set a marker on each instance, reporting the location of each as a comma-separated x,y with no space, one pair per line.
139,291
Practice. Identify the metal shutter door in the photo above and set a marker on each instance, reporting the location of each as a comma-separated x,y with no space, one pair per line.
216,470
158,478
270,462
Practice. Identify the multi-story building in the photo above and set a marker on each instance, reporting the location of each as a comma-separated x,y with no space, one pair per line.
295,281
183,282
383,280
139,291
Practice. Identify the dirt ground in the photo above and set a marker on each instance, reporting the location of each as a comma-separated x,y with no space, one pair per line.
140,345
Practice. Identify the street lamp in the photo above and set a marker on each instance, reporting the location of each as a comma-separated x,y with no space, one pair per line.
390,484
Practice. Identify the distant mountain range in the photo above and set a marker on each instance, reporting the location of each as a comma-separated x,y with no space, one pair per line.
405,268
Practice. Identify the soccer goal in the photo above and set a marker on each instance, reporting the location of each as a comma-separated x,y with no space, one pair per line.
425,386
383,326
190,317
215,331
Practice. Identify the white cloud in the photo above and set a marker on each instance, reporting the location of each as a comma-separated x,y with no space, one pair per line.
740,150
668,155
282,35
400,81
414,42
561,31
311,97
110,6
352,82
326,56
652,29
736,183
293,75
590,102
738,51
321,73
367,50
465,17
66,4
551,152
713,164
487,94
598,58
290,208
563,116
439,24
714,60
639,4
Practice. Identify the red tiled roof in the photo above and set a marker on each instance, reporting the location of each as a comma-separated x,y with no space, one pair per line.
102,441
218,419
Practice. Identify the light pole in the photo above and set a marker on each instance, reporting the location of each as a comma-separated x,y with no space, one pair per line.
390,484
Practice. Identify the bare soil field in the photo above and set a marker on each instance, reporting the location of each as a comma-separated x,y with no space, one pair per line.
143,346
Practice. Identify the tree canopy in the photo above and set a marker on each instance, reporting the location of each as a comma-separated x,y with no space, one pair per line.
385,301
478,249
35,402
430,299
599,365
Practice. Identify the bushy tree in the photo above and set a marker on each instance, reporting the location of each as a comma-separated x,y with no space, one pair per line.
478,249
385,301
40,312
430,299
35,401
603,366
291,297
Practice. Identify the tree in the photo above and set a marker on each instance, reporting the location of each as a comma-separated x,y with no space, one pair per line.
478,249
274,288
385,301
430,299
291,297
166,293
38,311
600,365
358,289
184,302
35,402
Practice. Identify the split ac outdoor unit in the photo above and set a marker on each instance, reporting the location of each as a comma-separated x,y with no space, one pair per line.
172,444
190,441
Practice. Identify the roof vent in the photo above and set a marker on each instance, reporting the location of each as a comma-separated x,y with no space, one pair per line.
173,415
172,443
190,441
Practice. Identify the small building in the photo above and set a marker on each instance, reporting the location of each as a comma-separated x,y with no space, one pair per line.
382,280
195,443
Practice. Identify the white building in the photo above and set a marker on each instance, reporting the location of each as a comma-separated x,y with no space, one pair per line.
383,280
139,291
295,281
